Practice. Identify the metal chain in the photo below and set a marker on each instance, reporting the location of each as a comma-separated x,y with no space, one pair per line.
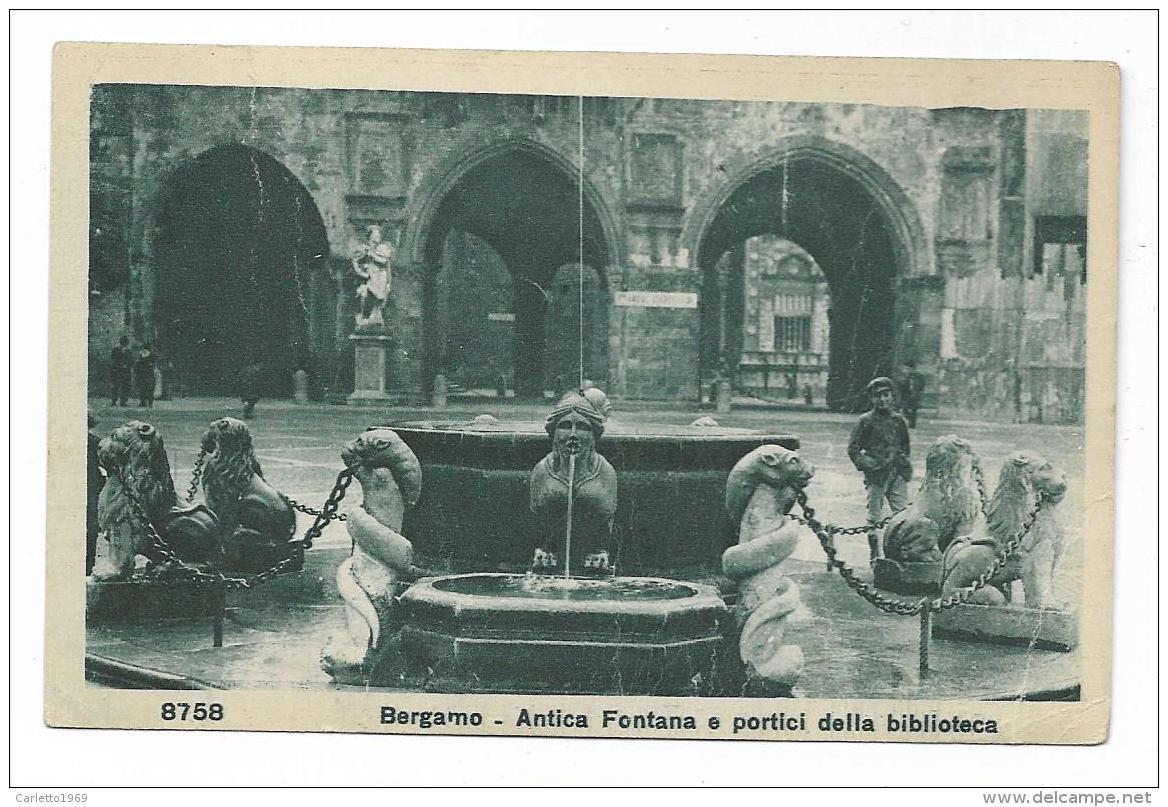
191,573
962,596
196,475
296,548
834,530
825,534
894,605
328,512
312,511
979,478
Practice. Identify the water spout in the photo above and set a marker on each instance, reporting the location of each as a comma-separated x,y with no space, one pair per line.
573,449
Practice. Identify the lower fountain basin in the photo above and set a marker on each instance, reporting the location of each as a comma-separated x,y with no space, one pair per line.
517,633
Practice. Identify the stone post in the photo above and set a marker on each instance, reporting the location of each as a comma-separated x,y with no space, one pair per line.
300,386
438,395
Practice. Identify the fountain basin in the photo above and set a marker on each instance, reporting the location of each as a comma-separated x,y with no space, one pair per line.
473,514
515,633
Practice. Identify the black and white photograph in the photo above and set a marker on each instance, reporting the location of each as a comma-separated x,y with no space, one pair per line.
471,402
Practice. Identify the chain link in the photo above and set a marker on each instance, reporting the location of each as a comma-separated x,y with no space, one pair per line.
328,512
979,478
196,475
312,511
895,605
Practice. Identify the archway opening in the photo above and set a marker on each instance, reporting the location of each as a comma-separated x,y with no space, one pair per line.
525,213
845,231
240,255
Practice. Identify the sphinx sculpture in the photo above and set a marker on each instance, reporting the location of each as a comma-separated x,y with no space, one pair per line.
572,492
140,489
256,522
391,481
760,490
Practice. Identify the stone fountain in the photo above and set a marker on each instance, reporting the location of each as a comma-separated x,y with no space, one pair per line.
568,625
669,521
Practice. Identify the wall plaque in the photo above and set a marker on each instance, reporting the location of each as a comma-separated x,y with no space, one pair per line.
657,299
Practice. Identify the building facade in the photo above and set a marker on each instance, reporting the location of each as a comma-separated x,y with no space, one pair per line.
663,243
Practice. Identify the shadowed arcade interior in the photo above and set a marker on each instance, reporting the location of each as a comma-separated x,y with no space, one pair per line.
841,224
240,252
526,212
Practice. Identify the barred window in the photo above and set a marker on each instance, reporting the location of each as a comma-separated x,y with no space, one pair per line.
792,334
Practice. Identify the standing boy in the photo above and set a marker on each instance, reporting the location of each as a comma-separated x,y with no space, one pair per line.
879,448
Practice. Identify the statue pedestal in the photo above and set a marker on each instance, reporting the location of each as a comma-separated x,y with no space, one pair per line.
1046,628
370,357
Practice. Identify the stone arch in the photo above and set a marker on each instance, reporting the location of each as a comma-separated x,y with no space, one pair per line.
850,215
518,197
258,296
424,204
896,204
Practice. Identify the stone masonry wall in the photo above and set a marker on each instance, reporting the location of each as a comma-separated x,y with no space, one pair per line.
656,171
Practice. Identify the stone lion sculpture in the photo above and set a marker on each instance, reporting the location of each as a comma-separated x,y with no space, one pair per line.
391,481
255,520
760,490
1026,480
135,458
947,506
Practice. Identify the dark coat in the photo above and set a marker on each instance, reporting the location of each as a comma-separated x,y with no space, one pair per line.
879,446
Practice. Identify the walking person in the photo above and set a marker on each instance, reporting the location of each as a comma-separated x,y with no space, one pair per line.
879,448
144,376
120,361
250,382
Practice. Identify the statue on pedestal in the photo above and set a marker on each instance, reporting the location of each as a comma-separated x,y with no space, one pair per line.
391,481
760,490
575,478
372,266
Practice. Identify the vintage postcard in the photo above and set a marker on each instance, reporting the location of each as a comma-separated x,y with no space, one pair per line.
592,395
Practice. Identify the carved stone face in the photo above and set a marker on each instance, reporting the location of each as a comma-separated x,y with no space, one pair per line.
573,435
382,448
784,468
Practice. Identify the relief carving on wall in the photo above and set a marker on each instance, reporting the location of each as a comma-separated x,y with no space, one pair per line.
964,216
